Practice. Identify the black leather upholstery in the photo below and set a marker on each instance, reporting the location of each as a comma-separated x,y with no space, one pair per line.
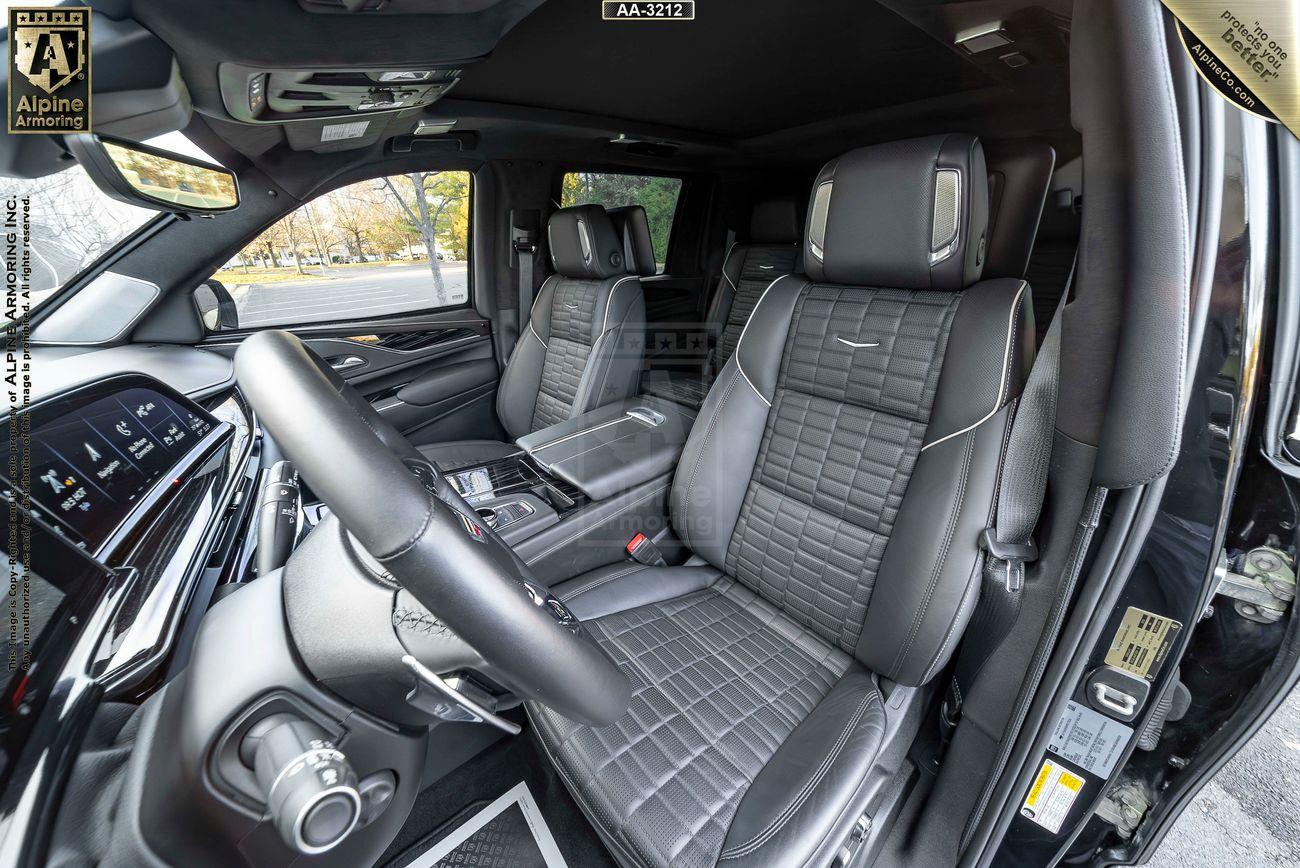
1020,173
584,243
633,228
833,491
747,271
581,348
775,221
875,216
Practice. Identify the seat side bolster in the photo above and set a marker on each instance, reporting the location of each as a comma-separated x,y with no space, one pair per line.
930,573
718,459
929,576
617,348
522,378
725,292
798,797
989,353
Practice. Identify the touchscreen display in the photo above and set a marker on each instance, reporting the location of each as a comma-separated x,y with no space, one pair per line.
90,464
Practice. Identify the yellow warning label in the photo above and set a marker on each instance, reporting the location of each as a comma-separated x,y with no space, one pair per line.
1051,797
1142,642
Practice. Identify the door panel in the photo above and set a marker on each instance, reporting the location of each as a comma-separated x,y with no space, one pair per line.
433,376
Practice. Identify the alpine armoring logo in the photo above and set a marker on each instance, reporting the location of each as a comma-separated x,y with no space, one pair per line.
49,72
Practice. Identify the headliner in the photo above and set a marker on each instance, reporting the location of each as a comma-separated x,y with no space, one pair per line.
738,70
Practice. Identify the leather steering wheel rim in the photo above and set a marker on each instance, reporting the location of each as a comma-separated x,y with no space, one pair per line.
361,467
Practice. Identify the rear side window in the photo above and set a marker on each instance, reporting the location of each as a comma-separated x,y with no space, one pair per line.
657,195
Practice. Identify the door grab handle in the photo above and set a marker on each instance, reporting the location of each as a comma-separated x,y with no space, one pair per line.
347,363
1117,701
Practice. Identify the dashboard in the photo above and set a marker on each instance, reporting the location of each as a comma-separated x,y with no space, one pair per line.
128,504
94,456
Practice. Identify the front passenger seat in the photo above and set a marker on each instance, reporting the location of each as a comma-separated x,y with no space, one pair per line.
582,347
833,491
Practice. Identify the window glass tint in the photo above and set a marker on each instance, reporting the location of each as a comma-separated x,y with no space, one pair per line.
658,196
375,248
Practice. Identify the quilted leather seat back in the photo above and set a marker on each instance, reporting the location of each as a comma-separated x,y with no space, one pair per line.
580,348
845,461
841,440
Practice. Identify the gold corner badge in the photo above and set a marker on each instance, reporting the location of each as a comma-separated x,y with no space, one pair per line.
49,70
1246,50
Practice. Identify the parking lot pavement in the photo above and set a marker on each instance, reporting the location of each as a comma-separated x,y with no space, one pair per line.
348,292
1246,815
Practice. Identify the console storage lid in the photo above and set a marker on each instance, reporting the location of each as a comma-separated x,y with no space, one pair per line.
615,447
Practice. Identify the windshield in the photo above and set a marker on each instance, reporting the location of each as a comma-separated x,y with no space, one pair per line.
72,224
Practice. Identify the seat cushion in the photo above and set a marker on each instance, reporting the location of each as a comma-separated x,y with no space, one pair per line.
462,453
721,680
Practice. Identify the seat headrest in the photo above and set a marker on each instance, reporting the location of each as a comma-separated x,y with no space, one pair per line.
905,215
775,221
633,228
1020,173
584,244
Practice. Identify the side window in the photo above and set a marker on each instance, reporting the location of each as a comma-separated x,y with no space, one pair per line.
657,195
376,248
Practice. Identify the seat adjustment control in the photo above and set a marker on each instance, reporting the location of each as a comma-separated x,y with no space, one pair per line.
310,788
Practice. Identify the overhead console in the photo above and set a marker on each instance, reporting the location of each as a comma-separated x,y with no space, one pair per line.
266,96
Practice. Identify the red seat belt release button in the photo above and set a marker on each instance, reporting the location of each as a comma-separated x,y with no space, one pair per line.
643,551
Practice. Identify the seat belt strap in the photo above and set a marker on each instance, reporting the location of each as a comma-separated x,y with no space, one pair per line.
1008,543
524,232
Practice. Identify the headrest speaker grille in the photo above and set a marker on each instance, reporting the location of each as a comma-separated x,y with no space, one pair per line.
947,210
821,206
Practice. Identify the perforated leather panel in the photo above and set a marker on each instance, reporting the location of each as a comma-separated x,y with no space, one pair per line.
720,679
567,351
841,440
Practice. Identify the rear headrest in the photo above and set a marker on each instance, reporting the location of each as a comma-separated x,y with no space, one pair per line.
632,226
584,244
775,221
1020,171
904,215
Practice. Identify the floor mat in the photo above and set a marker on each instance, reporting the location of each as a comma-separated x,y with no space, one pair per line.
451,803
508,833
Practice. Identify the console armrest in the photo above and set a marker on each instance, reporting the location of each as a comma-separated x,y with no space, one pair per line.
613,448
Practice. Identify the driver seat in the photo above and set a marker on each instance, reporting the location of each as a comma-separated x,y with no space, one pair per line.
833,492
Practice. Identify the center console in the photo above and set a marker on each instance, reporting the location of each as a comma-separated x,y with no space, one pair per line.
576,492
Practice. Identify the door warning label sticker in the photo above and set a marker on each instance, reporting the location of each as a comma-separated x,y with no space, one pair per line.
1142,643
1090,740
1051,797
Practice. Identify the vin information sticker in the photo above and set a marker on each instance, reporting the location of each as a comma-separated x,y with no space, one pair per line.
1090,740
1142,643
1052,795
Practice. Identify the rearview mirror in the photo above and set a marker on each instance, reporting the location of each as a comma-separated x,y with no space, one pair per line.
150,178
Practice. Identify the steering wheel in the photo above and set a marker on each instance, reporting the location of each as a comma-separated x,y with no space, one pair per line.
410,520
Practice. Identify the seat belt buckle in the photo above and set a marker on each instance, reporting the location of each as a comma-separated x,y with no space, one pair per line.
1013,556
642,550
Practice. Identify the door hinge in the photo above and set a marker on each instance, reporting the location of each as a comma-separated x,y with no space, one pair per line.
1261,583
1124,807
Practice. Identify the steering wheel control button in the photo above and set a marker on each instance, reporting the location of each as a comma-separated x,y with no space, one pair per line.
452,699
310,788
